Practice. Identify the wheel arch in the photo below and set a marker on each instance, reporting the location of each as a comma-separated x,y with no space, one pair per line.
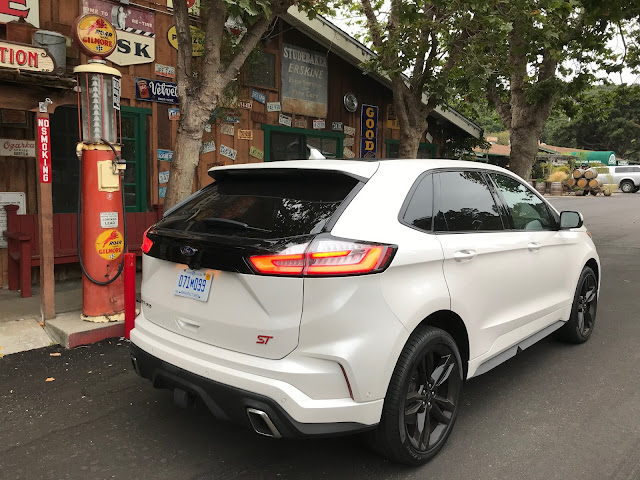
451,323
593,264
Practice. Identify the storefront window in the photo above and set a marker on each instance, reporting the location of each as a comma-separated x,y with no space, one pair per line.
425,150
282,143
260,69
134,153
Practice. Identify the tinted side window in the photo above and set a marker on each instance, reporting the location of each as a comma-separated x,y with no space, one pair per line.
527,210
466,204
627,169
419,212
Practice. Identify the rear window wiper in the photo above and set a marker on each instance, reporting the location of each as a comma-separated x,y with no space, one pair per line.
227,223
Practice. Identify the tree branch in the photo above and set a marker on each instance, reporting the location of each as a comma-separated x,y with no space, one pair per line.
214,30
503,108
374,26
185,50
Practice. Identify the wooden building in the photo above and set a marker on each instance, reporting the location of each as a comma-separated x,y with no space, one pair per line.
301,95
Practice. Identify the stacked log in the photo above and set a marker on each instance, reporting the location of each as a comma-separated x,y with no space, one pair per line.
587,180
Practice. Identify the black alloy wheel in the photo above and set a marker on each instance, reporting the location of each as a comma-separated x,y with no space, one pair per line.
583,312
432,397
423,398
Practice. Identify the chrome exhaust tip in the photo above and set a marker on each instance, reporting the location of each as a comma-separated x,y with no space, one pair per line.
262,424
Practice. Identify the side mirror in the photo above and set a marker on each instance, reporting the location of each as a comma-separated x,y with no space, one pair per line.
570,220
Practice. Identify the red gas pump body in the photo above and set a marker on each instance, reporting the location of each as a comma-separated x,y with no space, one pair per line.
101,237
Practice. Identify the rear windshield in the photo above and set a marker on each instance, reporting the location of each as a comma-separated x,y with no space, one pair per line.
263,204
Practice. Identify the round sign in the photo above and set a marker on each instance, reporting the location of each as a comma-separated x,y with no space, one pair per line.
197,40
95,35
110,244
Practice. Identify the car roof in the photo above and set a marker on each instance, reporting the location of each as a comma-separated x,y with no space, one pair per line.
362,168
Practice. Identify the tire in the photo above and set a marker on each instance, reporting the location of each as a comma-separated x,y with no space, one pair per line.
583,311
627,187
398,436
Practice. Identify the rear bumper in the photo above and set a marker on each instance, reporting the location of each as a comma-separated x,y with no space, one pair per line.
230,403
230,382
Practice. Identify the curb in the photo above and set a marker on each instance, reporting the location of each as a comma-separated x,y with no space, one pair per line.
70,331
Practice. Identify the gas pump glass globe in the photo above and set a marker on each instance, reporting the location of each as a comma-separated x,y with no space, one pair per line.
96,106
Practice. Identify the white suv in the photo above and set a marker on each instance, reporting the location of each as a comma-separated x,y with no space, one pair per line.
323,297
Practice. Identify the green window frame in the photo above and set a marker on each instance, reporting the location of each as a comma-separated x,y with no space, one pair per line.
432,147
139,140
338,136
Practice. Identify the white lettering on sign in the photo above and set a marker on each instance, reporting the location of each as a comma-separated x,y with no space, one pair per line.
163,177
17,148
337,126
44,149
228,152
108,219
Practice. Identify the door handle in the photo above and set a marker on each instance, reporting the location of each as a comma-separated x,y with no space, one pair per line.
464,255
534,246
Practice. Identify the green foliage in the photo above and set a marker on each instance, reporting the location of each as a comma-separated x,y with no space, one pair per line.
608,119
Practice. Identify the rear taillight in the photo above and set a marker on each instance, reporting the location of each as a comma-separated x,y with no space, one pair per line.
147,243
326,256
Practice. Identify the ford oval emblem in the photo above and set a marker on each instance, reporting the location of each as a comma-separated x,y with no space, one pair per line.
188,250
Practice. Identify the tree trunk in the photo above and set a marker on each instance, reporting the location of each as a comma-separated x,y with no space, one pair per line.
410,142
524,147
412,117
186,153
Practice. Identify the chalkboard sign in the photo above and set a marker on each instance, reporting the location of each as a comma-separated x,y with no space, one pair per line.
304,81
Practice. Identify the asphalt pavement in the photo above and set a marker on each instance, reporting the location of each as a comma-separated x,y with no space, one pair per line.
553,412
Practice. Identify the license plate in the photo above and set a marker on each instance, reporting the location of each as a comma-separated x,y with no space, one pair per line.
192,284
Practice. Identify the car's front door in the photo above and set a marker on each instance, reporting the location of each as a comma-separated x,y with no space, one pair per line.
486,266
550,249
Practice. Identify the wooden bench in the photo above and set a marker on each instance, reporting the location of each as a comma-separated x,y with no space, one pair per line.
24,242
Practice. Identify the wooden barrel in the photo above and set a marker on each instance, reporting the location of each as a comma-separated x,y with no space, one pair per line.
582,182
556,188
595,183
578,173
590,173
541,187
571,182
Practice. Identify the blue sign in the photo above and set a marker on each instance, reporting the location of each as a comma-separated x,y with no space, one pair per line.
369,131
258,96
165,155
156,91
162,191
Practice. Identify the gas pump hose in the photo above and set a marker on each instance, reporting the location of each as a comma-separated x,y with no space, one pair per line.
124,223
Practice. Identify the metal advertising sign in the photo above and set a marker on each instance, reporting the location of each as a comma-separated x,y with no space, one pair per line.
165,155
44,149
25,57
369,131
349,130
245,134
227,129
192,5
156,91
95,35
133,49
273,107
228,152
17,148
319,124
284,120
392,118
207,147
256,153
117,90
337,126
165,70
197,40
304,81
27,10
258,96
246,104
163,177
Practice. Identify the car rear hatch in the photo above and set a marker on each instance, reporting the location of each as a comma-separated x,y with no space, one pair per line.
205,244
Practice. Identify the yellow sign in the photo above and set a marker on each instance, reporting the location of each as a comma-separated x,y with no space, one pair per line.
197,40
95,35
110,244
392,118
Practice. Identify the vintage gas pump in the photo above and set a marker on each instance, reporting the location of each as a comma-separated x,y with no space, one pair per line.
101,216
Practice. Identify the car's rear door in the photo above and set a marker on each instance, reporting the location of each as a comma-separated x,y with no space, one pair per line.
197,280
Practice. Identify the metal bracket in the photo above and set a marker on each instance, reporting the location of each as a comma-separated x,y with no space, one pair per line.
44,106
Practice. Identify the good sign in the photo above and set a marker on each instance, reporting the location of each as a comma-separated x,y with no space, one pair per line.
95,35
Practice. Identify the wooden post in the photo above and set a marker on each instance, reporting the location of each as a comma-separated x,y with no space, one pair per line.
45,217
